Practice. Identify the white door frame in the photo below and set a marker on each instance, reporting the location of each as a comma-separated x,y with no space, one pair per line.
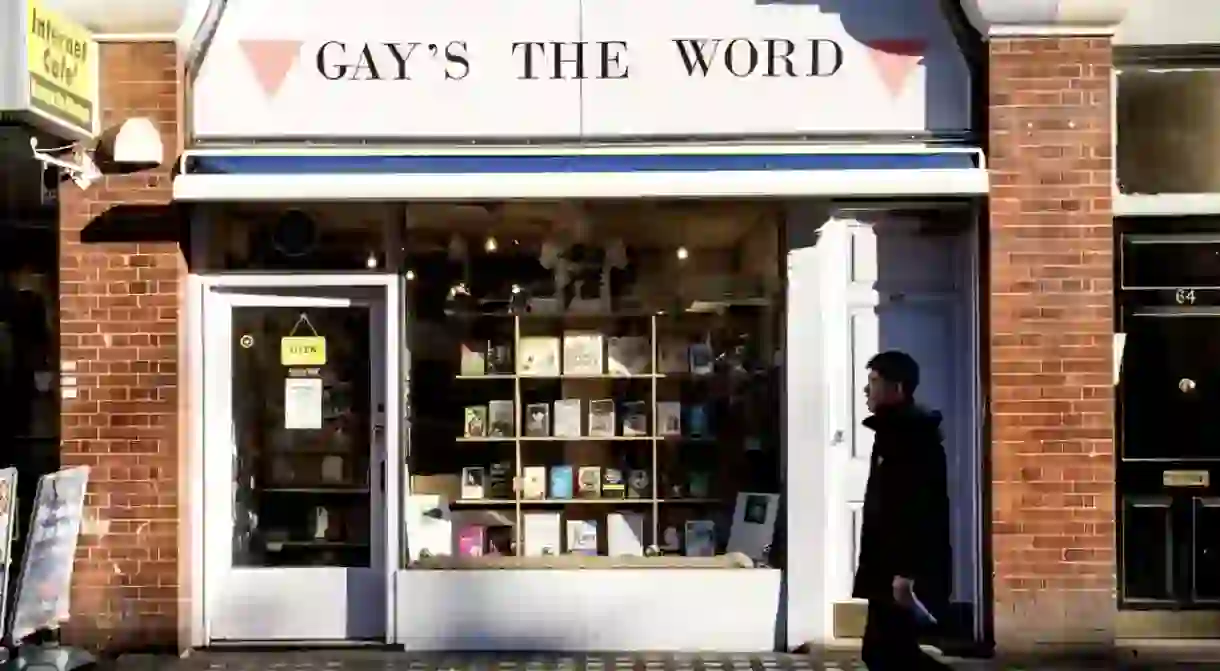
819,421
193,563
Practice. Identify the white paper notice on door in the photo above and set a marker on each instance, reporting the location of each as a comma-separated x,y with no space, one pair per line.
303,403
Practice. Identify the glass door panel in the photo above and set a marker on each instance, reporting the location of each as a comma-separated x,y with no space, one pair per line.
302,495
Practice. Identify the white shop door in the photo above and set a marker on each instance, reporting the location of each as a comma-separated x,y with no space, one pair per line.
897,289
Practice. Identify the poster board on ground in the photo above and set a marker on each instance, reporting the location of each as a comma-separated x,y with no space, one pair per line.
46,571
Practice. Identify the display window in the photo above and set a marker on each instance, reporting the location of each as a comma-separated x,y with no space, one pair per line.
594,386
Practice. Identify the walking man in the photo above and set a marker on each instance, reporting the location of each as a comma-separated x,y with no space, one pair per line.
905,551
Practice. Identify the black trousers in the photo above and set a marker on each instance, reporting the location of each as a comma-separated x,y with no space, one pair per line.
891,640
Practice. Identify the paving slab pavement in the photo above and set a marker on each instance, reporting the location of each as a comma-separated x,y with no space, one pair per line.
391,660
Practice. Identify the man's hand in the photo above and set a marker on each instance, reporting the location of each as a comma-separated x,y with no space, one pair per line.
904,591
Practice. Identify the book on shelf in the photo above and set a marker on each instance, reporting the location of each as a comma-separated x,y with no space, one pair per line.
561,482
500,359
639,484
474,357
698,421
471,540
670,540
628,355
753,528
635,418
583,353
672,356
613,485
538,420
669,418
702,359
589,482
475,425
538,356
582,537
533,486
567,417
500,480
625,534
473,482
699,484
602,418
500,416
500,541
542,534
700,538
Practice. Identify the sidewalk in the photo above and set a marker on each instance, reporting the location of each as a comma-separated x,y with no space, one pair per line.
390,660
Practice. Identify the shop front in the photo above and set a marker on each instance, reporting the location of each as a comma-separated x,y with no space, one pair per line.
543,327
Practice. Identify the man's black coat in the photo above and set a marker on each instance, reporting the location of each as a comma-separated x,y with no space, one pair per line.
905,531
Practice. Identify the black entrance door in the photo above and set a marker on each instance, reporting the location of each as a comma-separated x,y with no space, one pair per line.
1169,422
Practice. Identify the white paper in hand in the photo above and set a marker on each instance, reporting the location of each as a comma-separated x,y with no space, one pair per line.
922,615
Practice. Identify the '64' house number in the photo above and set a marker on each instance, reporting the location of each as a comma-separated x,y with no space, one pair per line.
1185,296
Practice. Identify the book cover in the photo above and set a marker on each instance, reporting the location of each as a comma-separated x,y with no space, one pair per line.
500,541
582,537
625,535
541,534
561,482
475,422
698,421
538,356
601,418
628,355
701,359
538,420
500,480
500,359
753,528
639,484
589,482
699,484
534,482
613,484
669,418
700,538
500,419
635,418
567,418
474,358
583,353
471,540
672,356
473,482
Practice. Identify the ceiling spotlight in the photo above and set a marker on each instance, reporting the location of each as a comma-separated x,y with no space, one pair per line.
410,275
516,289
490,245
371,261
683,254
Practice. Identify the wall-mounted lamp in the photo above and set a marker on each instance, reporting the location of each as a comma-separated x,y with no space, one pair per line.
138,144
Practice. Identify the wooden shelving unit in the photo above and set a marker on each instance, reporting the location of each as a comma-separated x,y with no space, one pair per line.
523,445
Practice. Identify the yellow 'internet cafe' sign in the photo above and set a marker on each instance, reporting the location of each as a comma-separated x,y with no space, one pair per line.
61,59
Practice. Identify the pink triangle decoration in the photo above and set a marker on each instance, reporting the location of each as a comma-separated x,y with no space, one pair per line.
895,61
271,60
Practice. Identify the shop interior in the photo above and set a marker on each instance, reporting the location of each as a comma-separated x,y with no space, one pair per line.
590,385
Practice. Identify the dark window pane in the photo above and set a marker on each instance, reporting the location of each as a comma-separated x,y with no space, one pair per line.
1147,567
1168,131
1171,261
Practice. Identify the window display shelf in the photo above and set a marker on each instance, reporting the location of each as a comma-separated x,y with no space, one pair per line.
315,490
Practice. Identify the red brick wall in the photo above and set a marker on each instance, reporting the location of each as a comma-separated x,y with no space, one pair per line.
120,268
1051,320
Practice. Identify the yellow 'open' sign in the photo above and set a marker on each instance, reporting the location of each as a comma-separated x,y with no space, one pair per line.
303,351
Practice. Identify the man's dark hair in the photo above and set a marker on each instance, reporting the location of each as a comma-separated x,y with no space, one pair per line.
898,368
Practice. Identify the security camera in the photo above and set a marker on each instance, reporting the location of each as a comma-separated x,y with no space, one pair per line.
83,174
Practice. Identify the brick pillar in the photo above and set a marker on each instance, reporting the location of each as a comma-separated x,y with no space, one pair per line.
120,268
1051,320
